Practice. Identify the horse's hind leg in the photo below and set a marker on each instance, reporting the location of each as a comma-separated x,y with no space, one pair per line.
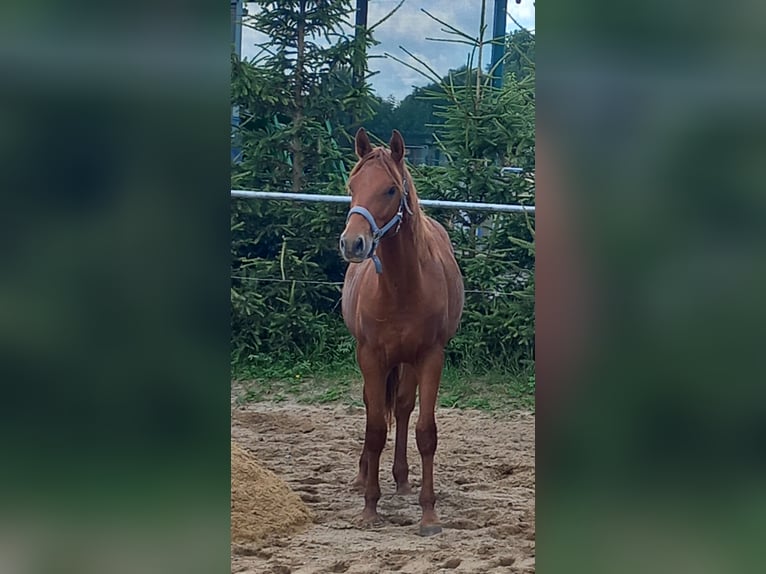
405,402
361,478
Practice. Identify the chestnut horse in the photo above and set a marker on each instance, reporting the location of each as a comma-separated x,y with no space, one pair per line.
402,301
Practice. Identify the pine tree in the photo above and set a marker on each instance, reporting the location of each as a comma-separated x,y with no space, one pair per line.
296,95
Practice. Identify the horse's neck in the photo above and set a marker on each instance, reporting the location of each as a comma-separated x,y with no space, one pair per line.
400,259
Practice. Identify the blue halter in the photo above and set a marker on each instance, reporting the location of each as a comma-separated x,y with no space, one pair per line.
379,232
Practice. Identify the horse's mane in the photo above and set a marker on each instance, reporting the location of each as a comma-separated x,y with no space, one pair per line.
383,158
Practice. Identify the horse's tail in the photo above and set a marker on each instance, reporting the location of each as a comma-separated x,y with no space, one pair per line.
392,387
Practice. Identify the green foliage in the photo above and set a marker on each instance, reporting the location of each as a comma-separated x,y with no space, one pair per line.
483,128
296,99
286,267
417,115
298,93
276,247
520,55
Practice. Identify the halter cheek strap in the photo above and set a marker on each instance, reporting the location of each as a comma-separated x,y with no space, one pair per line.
379,232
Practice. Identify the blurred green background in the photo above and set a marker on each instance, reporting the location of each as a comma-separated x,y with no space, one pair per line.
114,167
652,434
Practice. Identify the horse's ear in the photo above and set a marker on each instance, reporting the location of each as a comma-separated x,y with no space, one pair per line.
397,146
363,146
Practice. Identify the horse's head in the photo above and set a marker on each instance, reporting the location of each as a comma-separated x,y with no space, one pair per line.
379,197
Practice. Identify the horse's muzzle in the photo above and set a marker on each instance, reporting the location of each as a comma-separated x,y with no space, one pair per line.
354,248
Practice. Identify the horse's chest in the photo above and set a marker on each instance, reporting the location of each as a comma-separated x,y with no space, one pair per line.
402,335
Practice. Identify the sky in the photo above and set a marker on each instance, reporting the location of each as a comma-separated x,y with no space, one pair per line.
409,27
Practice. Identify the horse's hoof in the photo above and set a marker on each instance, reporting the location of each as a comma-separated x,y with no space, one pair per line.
429,529
369,520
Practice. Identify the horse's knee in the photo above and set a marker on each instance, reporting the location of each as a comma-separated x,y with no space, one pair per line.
425,436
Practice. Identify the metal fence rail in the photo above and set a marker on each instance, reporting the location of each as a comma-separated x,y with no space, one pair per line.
241,193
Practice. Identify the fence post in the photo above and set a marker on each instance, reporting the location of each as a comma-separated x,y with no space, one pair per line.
498,42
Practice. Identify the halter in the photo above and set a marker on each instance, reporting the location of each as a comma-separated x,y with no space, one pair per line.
379,232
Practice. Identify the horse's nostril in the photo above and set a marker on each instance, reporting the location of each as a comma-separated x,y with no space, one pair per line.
342,244
359,245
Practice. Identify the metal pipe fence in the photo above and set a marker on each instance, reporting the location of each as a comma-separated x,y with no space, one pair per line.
467,205
319,198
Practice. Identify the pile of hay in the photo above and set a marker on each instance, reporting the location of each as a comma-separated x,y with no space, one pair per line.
262,505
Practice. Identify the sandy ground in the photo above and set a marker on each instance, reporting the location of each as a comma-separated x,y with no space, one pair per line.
485,488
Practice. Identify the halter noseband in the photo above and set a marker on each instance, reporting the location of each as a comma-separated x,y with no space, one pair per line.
379,232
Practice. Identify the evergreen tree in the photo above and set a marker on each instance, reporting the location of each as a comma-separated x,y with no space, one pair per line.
294,97
417,115
481,128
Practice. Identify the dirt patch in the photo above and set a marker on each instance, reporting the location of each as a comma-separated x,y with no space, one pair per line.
484,479
262,505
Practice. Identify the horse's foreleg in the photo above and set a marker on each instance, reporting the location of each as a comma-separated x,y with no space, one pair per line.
405,402
429,375
375,432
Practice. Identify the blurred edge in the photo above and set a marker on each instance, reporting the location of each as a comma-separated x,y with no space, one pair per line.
651,274
114,143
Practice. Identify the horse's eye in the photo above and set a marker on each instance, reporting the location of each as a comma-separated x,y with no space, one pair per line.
392,191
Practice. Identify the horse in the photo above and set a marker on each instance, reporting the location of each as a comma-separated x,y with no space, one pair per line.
402,301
